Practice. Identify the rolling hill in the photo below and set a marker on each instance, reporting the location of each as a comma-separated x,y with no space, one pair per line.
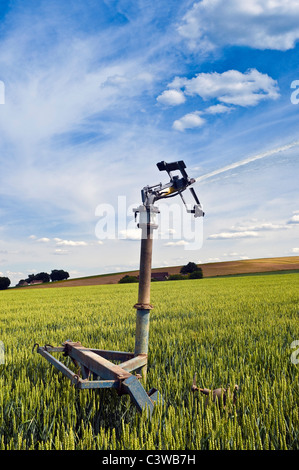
224,268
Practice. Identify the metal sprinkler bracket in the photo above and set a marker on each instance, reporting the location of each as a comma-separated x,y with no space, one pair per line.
175,186
125,371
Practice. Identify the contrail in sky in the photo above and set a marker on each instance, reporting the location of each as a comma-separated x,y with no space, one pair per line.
247,160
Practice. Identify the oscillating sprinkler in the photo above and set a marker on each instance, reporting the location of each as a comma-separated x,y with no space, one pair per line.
147,222
126,371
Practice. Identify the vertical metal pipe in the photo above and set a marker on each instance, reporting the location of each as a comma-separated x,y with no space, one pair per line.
143,306
142,333
145,266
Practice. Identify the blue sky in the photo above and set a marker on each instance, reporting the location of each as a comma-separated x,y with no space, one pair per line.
97,92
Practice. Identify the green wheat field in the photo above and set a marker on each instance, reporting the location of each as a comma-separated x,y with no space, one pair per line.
234,330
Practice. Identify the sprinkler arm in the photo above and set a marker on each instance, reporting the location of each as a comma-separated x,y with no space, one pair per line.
176,185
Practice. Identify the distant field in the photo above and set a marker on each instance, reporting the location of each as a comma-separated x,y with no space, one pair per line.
228,330
209,269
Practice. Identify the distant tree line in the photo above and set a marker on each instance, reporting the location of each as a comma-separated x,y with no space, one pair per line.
56,275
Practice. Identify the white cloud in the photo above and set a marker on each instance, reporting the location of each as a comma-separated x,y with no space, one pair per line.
194,119
229,235
248,231
294,219
130,234
261,226
189,121
178,243
171,97
295,250
59,251
218,109
260,24
230,87
70,243
61,242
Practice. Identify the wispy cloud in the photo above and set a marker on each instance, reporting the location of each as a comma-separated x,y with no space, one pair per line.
230,235
130,234
294,219
59,251
260,227
249,230
218,109
60,242
64,125
178,243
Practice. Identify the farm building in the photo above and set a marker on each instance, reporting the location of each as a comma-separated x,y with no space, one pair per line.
160,276
163,276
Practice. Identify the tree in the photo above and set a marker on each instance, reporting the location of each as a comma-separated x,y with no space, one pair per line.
196,274
44,277
4,283
176,277
128,279
189,268
30,278
59,275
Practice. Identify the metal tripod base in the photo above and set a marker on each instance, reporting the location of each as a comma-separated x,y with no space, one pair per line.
98,364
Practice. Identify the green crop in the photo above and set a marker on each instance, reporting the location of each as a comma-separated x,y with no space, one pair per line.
235,330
